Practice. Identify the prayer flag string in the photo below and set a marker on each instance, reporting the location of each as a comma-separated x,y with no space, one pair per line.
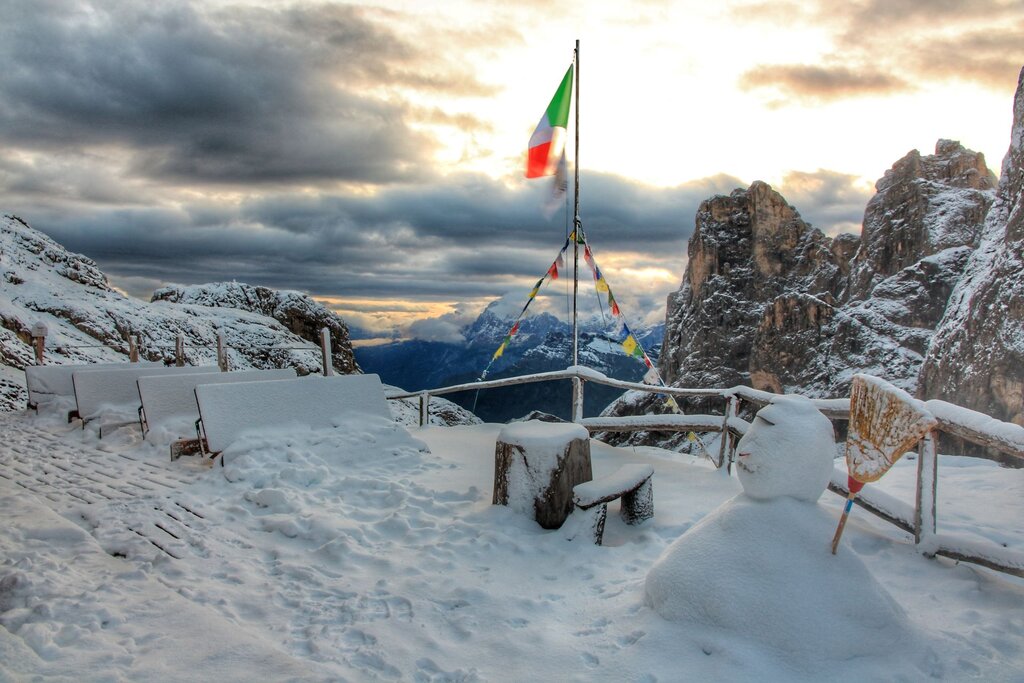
551,274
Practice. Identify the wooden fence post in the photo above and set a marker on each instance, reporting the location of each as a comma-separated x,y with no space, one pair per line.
927,482
39,331
325,350
179,350
222,356
424,409
577,400
725,457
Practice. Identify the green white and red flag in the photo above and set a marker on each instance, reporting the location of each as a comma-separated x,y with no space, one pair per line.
548,140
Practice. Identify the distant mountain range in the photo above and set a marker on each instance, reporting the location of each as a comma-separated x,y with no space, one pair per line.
543,344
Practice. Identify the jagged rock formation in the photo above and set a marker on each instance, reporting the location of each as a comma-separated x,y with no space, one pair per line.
748,249
923,206
976,358
297,312
770,301
793,309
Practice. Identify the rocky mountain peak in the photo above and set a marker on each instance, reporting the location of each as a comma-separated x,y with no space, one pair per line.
976,358
747,248
923,204
771,301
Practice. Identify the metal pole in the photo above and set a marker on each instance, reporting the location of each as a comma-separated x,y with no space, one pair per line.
576,218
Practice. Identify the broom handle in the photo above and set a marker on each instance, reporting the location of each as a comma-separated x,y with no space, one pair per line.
842,521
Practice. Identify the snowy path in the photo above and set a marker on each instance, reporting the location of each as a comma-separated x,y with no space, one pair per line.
68,476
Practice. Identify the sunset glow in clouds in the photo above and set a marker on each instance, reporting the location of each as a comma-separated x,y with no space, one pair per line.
372,155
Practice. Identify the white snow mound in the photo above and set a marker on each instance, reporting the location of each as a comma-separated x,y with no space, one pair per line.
763,570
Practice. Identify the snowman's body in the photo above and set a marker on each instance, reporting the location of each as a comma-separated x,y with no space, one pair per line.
760,564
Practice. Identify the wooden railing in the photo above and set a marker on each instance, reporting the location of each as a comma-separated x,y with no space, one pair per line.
919,519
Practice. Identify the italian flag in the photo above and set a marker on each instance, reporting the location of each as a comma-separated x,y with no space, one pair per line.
548,141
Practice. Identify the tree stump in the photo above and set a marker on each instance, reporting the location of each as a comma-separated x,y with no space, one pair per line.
536,466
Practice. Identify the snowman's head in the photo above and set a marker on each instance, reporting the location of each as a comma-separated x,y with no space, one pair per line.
787,451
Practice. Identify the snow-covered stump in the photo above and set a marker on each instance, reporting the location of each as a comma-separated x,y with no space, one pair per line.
631,483
536,466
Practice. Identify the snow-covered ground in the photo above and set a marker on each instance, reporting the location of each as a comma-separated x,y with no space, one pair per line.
368,552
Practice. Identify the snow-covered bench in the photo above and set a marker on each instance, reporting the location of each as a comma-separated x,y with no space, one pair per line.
113,394
229,410
169,400
53,384
631,483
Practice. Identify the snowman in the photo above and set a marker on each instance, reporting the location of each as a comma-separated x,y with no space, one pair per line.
760,565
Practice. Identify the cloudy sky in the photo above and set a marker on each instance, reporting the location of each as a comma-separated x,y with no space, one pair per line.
371,154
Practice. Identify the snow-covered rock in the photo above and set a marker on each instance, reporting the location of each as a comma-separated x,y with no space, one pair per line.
298,312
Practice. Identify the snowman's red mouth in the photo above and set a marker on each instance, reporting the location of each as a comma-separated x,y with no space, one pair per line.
743,465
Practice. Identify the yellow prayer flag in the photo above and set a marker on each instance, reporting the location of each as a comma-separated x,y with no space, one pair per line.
629,345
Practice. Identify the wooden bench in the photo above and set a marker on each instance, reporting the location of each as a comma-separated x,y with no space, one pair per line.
227,411
170,400
113,394
53,384
631,483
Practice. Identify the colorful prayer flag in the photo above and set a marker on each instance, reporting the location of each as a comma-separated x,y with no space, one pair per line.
548,140
632,348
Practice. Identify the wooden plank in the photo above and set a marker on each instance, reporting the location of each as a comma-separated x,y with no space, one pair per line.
866,504
654,423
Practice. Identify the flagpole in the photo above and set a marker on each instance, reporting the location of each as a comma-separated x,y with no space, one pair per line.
576,216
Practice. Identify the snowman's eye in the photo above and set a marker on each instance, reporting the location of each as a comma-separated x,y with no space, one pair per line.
767,422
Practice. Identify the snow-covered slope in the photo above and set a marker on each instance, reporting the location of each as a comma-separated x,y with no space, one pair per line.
89,321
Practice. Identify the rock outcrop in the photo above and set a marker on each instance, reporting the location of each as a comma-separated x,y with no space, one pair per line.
976,358
297,312
748,249
770,301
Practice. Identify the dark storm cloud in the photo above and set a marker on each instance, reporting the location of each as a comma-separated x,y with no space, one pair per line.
469,236
238,95
823,83
885,46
